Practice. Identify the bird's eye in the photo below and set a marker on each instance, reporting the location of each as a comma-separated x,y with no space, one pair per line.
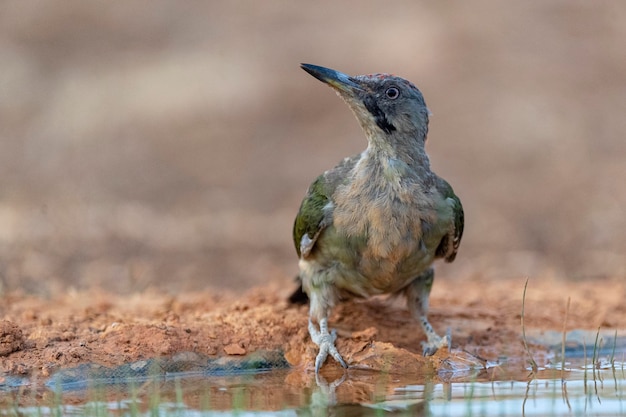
392,93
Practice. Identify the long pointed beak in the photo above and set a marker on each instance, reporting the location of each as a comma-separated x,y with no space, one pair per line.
341,82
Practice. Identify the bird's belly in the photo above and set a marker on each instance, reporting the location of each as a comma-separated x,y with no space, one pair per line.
361,268
377,246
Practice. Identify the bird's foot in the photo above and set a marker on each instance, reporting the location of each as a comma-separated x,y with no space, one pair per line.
326,342
435,342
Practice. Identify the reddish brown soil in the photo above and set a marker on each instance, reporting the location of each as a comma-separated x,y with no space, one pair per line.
38,336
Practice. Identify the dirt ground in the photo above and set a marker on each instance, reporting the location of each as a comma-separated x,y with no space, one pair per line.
153,156
39,336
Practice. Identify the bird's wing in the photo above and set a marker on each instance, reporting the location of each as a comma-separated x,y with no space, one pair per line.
316,214
449,245
315,211
311,218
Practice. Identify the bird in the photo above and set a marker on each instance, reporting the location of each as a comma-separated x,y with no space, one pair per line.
375,223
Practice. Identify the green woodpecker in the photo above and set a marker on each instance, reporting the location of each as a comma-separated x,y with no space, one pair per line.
375,223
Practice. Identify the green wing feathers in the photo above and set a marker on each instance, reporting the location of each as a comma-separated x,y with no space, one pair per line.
314,215
459,223
449,245
310,218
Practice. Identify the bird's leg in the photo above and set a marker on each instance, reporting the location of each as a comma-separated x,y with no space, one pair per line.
417,294
326,342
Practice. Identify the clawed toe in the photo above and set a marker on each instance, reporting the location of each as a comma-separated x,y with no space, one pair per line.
326,343
428,349
431,346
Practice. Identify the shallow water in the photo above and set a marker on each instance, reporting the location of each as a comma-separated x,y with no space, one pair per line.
587,383
583,391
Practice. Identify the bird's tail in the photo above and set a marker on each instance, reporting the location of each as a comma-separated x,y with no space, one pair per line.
298,296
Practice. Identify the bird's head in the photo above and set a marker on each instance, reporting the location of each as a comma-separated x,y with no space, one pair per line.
386,106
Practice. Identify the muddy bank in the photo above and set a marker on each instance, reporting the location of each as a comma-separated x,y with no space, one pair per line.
40,336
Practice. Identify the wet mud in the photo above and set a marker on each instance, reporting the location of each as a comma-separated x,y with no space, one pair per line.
39,337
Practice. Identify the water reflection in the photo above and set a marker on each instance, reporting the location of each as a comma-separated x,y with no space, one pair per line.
577,389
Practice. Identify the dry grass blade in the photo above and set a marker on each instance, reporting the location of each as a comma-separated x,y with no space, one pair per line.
533,364
563,383
594,364
563,340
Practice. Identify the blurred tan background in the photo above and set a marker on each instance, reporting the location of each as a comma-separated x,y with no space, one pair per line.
168,144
